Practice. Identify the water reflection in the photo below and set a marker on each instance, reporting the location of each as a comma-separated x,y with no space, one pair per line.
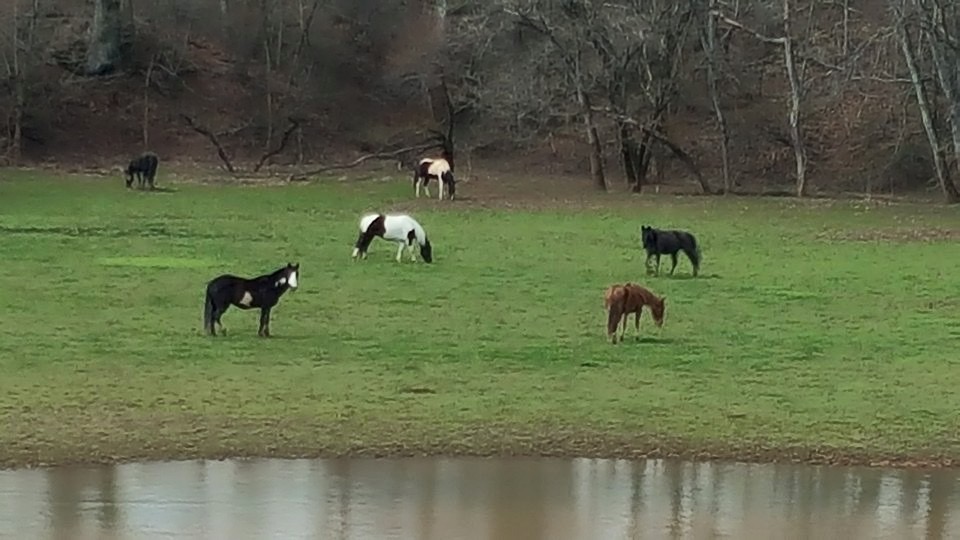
449,499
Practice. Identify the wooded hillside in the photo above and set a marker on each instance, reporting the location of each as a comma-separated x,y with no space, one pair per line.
800,96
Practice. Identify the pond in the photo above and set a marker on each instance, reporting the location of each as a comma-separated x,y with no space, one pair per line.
472,498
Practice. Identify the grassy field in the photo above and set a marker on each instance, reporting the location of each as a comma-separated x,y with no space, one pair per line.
818,331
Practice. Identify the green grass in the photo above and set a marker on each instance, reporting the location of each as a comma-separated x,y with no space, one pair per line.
788,346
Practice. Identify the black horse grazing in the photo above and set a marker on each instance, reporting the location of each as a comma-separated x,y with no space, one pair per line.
658,242
260,292
144,167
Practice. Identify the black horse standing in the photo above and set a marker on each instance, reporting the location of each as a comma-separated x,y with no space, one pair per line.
260,292
658,242
144,167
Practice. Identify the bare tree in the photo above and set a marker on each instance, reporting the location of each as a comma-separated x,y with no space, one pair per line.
103,48
18,91
942,30
786,41
640,47
902,10
667,25
708,41
566,27
21,58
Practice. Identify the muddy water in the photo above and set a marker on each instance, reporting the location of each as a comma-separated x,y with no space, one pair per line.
448,499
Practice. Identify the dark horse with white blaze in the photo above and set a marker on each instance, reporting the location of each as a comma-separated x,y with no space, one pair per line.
658,242
399,228
260,292
144,167
438,168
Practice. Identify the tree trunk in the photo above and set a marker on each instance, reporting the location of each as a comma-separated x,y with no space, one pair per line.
127,23
799,152
628,152
708,42
20,95
846,29
643,157
943,176
267,71
945,62
593,139
146,104
103,50
225,20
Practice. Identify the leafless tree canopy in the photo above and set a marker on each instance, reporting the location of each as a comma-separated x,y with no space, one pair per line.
716,95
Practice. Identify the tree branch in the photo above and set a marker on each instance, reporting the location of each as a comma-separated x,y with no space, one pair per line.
283,144
213,139
682,155
739,26
377,155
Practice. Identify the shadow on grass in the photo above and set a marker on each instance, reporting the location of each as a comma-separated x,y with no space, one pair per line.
649,340
163,190
242,336
154,190
684,277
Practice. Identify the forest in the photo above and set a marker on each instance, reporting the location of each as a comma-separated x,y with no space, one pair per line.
798,97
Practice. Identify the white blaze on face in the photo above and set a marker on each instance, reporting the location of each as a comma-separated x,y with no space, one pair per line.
293,280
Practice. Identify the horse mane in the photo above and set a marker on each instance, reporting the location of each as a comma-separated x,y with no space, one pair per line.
271,277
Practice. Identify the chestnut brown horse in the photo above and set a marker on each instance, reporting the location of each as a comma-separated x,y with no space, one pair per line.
622,300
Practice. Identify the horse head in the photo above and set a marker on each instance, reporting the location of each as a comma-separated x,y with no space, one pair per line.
648,236
657,308
451,184
426,251
290,276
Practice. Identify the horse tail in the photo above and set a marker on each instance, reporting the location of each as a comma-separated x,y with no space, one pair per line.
692,249
208,311
615,305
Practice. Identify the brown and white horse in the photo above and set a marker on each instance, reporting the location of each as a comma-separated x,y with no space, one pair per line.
438,168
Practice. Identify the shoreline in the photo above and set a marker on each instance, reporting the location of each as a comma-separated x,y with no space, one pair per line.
545,449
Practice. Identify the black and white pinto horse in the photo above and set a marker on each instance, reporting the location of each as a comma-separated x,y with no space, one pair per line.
144,167
399,228
438,168
260,292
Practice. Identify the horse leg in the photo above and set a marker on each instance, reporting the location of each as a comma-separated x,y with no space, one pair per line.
416,183
674,267
413,253
264,330
440,187
426,186
637,321
400,252
658,263
217,313
211,325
